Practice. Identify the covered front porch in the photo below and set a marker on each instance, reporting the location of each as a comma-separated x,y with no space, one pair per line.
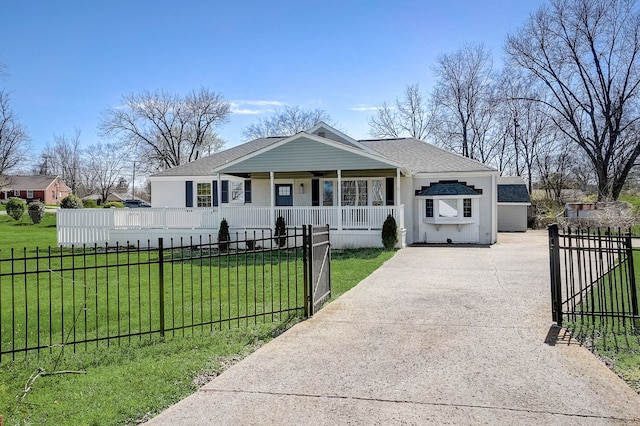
351,226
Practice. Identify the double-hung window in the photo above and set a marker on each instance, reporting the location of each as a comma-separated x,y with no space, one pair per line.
203,190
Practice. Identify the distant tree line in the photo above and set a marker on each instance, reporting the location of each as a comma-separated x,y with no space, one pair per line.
563,111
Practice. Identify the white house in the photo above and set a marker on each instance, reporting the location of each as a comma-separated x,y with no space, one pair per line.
323,176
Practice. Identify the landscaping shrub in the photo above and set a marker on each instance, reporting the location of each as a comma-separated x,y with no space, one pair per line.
281,232
389,233
36,211
223,236
89,203
113,205
71,202
15,208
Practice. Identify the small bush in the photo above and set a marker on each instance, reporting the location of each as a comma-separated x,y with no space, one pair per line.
223,236
71,202
15,208
36,211
281,232
89,203
113,205
389,233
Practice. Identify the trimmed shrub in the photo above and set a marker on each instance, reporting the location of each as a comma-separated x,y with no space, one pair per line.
113,205
36,211
223,235
15,208
281,232
71,202
389,233
89,203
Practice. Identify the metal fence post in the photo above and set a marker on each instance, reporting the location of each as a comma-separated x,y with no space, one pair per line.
632,276
305,270
554,268
161,283
310,271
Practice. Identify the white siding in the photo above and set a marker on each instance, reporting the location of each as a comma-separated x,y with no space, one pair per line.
168,193
512,218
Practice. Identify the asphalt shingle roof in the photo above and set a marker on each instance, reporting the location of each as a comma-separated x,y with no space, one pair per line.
453,188
204,166
422,157
513,193
415,155
24,183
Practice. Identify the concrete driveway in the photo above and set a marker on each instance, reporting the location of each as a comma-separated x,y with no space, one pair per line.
438,335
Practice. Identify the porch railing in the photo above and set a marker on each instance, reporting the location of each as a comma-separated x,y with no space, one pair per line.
89,226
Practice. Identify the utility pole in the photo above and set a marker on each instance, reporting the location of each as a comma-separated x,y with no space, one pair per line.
133,181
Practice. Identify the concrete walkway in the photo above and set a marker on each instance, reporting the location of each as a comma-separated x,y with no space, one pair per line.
438,335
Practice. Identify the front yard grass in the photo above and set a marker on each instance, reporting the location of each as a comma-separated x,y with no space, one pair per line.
128,383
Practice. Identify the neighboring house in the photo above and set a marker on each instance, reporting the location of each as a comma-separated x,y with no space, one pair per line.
513,203
323,176
119,196
48,189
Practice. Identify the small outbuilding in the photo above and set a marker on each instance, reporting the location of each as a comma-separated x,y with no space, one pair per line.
513,201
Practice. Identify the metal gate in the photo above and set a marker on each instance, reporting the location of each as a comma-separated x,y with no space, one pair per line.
318,273
592,275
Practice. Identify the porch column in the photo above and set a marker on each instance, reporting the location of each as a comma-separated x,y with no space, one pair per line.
272,215
219,189
339,203
399,201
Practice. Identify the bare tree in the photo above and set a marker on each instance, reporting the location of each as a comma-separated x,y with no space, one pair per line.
105,165
63,159
14,138
465,101
168,130
553,162
410,116
286,121
586,53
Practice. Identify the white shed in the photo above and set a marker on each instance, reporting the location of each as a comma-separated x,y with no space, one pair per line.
513,200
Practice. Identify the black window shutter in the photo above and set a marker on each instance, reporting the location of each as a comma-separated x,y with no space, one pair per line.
225,191
247,191
188,190
214,185
390,192
315,192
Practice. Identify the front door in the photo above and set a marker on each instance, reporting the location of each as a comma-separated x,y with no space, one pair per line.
284,194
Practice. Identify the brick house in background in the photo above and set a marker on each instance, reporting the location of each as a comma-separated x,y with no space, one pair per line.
48,189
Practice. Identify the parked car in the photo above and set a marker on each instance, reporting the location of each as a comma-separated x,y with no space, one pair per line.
134,204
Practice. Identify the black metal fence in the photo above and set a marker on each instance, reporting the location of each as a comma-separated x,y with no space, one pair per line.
111,295
593,276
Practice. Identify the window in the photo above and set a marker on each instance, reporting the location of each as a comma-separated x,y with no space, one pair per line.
429,208
284,191
467,207
204,194
327,193
377,192
29,194
448,208
354,193
53,194
237,192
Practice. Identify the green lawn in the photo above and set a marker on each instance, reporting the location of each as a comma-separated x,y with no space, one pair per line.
615,340
132,380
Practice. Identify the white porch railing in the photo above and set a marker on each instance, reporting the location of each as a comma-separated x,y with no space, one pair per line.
89,226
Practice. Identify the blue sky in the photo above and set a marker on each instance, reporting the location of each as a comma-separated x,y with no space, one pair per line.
68,60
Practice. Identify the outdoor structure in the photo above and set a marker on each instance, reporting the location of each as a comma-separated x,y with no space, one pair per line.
48,189
513,201
318,177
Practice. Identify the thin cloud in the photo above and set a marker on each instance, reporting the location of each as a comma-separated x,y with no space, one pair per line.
363,107
258,103
246,111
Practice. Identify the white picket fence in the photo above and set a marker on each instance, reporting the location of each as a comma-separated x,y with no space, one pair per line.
97,226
